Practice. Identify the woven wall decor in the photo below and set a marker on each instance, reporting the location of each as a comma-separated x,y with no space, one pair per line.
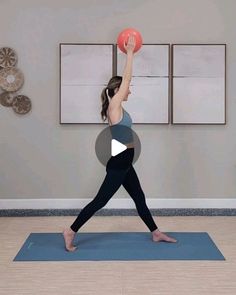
6,98
21,104
11,79
8,57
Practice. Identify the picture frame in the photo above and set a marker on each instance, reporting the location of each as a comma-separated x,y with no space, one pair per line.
198,84
85,69
149,100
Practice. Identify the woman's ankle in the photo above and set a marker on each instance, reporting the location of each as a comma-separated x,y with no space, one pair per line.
156,231
71,230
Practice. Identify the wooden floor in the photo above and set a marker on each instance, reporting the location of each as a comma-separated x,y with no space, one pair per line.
118,277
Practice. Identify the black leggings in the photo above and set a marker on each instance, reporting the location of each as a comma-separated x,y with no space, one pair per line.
119,171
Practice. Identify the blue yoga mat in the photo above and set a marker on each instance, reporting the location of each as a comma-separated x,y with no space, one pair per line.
119,246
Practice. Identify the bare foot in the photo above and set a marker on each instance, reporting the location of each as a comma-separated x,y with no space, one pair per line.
158,236
69,235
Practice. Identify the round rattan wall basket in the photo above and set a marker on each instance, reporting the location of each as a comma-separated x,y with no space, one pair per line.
21,104
8,57
11,79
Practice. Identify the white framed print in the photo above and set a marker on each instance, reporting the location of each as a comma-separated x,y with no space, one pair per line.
198,84
85,70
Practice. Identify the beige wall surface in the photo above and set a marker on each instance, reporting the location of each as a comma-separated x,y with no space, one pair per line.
39,158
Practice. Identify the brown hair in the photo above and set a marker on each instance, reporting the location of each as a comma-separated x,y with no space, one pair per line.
113,83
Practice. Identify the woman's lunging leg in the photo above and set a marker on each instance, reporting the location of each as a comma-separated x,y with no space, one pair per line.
116,169
132,185
110,185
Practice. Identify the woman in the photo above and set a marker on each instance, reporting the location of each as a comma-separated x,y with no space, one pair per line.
119,168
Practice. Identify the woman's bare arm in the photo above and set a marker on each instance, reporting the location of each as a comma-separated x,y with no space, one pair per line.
127,74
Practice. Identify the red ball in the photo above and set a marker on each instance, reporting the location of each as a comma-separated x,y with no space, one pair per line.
123,38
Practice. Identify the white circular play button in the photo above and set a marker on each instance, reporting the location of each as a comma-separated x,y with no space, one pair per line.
107,147
117,147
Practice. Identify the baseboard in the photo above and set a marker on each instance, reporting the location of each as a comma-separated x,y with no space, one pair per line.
117,203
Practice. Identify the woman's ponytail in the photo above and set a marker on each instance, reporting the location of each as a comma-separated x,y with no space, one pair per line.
114,83
105,104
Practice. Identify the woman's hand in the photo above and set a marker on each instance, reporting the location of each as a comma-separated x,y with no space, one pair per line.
129,47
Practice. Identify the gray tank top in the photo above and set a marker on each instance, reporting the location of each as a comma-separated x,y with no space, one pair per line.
124,135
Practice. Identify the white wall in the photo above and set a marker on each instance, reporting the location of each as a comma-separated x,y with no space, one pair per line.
39,158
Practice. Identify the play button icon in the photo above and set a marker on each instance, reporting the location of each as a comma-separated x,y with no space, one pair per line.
117,147
108,146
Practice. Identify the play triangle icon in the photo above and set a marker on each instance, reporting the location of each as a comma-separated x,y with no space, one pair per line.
117,147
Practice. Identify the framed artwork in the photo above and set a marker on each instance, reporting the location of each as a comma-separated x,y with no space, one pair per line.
198,84
148,102
84,71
